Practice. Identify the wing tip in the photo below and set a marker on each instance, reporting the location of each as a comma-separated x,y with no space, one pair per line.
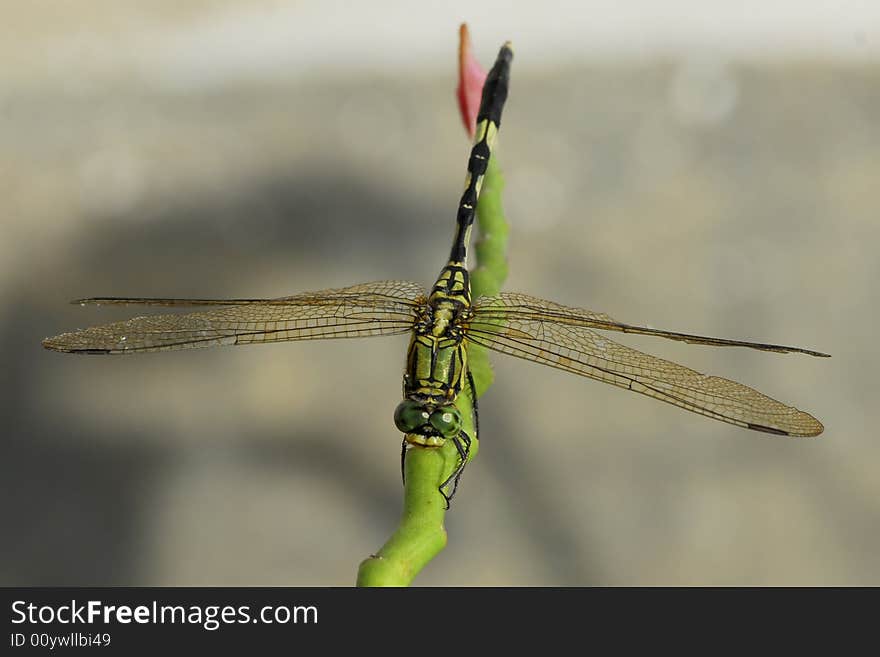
52,344
809,432
809,352
59,344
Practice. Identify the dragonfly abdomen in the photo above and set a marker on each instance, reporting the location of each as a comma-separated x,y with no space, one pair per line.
488,122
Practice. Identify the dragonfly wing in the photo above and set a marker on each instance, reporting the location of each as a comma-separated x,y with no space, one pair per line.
381,308
581,350
509,306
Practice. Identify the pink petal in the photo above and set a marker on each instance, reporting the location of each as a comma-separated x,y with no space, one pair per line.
471,78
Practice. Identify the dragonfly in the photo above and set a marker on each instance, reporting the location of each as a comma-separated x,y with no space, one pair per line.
443,323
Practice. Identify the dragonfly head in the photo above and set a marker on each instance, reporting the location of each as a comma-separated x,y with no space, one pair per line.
425,424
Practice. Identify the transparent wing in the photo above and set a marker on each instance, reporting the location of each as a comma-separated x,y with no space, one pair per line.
381,308
562,337
514,306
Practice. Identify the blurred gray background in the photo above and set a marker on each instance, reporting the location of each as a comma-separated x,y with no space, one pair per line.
688,165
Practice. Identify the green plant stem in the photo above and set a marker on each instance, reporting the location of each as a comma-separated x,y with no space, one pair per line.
421,536
490,272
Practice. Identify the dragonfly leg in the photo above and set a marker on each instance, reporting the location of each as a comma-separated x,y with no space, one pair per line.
470,380
403,461
463,452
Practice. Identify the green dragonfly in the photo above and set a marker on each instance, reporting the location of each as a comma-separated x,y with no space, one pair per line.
443,323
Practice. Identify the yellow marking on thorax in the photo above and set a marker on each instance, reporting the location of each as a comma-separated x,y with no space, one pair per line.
442,318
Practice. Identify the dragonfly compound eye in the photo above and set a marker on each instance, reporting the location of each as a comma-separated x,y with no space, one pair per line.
409,416
447,421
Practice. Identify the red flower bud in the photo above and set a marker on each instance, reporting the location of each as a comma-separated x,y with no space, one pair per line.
471,78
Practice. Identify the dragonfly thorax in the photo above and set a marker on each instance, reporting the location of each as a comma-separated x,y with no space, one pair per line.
449,305
436,361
